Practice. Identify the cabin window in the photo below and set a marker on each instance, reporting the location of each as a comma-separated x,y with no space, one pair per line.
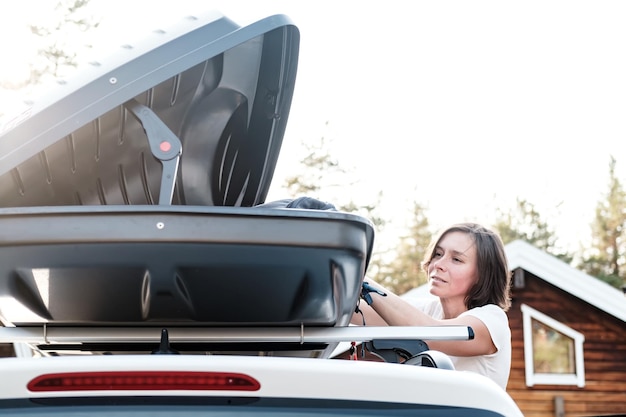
553,352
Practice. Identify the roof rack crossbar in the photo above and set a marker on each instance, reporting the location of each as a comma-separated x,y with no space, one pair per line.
70,334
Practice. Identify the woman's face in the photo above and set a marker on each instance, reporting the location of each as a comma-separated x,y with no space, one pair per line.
453,269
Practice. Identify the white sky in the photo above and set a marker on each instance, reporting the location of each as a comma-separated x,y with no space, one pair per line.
461,105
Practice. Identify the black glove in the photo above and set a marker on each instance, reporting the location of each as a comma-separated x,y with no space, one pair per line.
366,289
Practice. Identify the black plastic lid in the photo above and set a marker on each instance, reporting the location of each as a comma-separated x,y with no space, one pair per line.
191,116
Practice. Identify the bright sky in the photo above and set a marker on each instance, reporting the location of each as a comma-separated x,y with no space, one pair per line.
460,105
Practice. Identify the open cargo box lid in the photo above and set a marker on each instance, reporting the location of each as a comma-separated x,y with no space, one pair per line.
131,197
219,91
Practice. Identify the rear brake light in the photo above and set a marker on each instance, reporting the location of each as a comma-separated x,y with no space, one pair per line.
143,380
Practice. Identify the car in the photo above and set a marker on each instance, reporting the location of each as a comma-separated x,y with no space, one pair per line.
142,272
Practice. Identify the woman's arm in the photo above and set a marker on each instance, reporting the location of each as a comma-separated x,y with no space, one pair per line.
369,316
392,310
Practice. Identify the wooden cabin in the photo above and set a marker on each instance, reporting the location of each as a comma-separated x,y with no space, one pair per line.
569,338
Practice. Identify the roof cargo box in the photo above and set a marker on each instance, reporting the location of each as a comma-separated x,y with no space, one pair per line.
180,265
132,195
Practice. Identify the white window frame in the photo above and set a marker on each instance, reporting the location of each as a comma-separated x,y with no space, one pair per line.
532,378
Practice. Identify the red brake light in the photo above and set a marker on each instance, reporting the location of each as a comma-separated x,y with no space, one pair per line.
143,380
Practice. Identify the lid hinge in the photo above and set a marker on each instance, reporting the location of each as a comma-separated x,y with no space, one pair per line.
164,145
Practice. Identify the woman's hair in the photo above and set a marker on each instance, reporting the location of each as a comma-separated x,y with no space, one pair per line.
493,285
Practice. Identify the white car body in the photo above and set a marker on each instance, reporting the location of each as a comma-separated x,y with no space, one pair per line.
423,390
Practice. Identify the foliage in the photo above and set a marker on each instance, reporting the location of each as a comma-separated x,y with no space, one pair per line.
318,177
405,272
525,223
606,256
62,39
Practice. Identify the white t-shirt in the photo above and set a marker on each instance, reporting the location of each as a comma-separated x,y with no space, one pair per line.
496,366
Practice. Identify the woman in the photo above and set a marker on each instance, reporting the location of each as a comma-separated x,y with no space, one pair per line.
468,273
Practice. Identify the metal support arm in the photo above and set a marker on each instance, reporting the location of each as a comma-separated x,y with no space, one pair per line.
164,145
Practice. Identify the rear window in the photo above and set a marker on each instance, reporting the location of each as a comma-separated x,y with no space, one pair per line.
221,407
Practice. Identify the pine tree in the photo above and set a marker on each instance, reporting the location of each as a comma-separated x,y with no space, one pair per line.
405,271
606,256
525,222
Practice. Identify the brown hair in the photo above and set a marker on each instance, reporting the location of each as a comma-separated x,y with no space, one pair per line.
494,278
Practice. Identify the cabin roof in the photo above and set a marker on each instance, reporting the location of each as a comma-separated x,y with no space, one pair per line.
549,268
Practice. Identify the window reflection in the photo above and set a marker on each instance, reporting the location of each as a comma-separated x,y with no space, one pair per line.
553,352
